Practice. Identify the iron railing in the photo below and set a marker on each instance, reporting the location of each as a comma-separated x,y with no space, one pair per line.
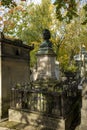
54,103
37,101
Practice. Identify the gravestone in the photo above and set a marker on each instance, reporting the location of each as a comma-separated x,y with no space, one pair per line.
46,59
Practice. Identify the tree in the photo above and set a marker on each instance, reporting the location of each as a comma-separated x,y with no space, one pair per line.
7,3
69,40
39,19
67,9
27,22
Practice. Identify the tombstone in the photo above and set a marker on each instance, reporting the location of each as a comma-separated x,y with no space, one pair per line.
47,68
81,60
51,104
46,59
14,68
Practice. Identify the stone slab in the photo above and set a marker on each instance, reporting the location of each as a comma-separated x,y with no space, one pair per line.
36,120
3,128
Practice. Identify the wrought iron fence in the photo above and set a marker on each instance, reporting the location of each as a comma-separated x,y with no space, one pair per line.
36,101
53,103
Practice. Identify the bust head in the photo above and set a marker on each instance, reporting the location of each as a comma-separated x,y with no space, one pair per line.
46,34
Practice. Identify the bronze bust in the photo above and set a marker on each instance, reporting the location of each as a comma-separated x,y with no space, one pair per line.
46,37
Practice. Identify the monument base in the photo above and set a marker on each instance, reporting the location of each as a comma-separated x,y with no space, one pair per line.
41,121
37,119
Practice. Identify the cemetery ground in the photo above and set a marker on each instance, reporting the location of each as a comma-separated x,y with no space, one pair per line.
10,125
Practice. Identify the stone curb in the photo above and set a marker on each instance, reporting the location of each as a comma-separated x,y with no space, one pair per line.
4,128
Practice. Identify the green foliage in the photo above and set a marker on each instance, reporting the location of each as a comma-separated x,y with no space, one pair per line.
65,9
64,59
33,56
66,64
71,68
85,20
27,23
7,3
68,9
40,18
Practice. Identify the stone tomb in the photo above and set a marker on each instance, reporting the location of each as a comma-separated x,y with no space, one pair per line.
14,69
48,104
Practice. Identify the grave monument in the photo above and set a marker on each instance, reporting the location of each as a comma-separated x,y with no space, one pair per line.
47,103
14,69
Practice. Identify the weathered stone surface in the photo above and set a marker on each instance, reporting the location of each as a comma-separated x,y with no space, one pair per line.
14,68
46,59
83,125
37,119
46,67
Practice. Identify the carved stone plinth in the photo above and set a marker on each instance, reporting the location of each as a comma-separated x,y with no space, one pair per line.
46,67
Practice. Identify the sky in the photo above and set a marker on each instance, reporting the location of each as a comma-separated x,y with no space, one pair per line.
35,1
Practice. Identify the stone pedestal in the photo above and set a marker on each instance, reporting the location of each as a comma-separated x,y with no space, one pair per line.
46,64
46,59
37,120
